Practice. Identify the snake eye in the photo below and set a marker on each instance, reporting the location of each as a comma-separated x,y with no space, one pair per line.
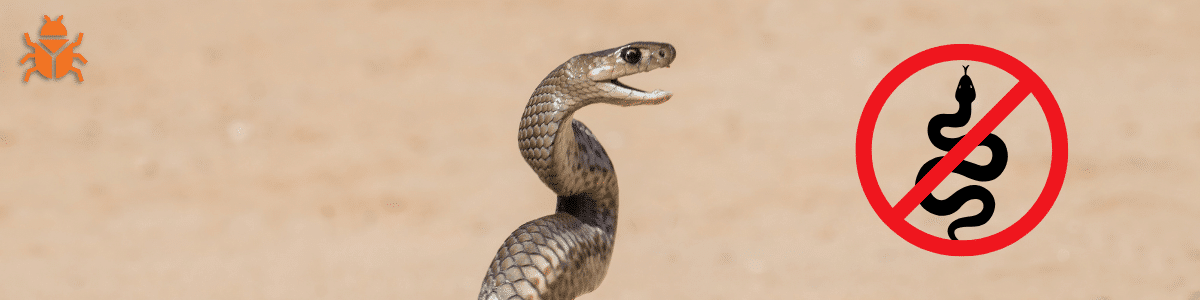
631,55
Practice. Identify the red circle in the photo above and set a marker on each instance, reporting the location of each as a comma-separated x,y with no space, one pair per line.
1058,138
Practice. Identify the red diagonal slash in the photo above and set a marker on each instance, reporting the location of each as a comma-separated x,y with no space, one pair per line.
960,151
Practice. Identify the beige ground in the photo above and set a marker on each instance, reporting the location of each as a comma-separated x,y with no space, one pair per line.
366,150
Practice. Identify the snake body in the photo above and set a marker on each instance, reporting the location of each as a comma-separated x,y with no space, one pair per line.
566,254
965,94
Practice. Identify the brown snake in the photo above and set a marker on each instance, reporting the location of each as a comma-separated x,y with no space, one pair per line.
566,254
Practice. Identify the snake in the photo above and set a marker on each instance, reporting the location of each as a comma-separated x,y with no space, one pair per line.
964,93
566,254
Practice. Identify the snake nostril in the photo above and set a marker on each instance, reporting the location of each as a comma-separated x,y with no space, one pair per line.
662,53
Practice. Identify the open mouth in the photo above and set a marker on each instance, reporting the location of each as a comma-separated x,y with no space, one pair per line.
619,93
618,83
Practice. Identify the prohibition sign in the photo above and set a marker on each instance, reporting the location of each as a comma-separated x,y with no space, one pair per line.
1028,83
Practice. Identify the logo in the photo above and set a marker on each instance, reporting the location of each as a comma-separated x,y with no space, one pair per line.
936,170
49,61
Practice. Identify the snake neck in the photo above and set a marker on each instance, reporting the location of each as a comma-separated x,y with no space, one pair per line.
566,155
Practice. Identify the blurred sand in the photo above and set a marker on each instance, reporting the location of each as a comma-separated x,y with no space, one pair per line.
366,149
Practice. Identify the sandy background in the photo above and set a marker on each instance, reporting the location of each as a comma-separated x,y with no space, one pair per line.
367,149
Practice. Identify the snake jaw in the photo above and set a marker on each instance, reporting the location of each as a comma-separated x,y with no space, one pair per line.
620,94
619,84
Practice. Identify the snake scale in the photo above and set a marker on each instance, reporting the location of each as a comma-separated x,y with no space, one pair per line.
566,254
964,94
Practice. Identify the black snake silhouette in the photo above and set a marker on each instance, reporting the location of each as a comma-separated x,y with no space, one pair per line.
965,94
566,254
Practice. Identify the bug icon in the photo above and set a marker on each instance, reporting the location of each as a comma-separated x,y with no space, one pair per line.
49,60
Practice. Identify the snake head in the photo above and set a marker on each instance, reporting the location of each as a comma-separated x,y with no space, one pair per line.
603,68
965,91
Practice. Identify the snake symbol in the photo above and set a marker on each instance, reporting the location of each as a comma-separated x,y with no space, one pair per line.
965,94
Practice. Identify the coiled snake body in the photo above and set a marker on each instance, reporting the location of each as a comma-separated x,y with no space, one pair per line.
965,94
566,254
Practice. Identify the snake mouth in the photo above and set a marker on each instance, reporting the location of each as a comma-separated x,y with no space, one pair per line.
616,92
620,84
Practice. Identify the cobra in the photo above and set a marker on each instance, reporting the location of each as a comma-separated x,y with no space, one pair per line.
566,254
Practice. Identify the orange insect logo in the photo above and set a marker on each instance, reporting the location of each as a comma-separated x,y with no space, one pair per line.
48,63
